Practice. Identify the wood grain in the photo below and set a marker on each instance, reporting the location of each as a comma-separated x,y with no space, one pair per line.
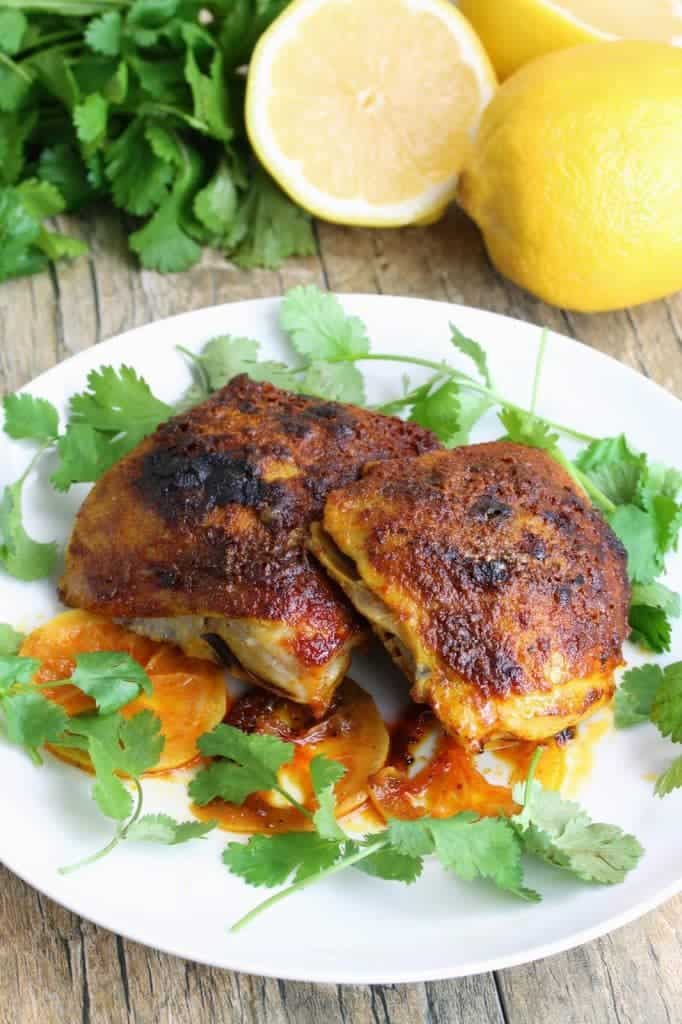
58,969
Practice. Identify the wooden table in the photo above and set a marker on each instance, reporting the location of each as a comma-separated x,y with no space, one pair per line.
57,969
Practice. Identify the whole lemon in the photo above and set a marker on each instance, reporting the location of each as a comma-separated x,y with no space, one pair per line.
575,177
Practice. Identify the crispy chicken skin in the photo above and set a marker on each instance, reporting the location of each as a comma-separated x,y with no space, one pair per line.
200,532
497,588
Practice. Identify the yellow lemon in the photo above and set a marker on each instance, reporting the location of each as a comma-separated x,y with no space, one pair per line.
576,176
365,111
515,31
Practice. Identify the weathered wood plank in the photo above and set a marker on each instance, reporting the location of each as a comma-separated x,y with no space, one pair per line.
55,968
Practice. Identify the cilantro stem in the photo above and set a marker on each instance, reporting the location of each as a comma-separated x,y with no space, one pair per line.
293,801
468,382
197,367
118,836
15,68
339,865
43,448
535,760
598,497
538,370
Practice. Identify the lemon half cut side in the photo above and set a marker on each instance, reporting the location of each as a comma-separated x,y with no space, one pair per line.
364,112
516,31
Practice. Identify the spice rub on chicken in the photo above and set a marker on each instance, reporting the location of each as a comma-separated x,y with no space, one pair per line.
496,587
197,536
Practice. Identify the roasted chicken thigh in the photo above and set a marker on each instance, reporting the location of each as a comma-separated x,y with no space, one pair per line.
496,587
197,536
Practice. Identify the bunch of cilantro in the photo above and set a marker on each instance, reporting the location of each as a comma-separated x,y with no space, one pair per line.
140,103
115,745
546,827
641,498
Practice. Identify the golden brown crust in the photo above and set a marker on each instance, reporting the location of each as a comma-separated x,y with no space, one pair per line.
208,515
498,572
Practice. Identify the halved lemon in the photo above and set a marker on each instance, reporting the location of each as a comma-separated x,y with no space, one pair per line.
516,31
364,110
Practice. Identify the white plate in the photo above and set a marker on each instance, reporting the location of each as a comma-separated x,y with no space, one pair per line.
353,928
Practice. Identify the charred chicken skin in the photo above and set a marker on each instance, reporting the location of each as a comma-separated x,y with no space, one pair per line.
496,587
197,536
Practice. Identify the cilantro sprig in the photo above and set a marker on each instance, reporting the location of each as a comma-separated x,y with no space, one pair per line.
651,693
118,748
146,102
105,421
491,848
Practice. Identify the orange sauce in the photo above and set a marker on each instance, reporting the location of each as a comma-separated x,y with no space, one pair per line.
580,753
449,781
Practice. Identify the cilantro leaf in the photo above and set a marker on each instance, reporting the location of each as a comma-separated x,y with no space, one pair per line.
215,205
13,26
561,833
613,466
112,678
481,848
324,775
527,428
14,669
411,838
319,328
470,846
392,865
31,418
635,695
161,828
670,779
31,720
15,85
117,745
271,860
209,94
666,710
15,131
598,853
90,120
268,227
84,455
652,606
103,34
227,356
138,177
475,352
657,595
337,382
650,627
22,557
637,530
164,242
109,793
438,410
250,765
119,402
62,166
141,743
10,640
